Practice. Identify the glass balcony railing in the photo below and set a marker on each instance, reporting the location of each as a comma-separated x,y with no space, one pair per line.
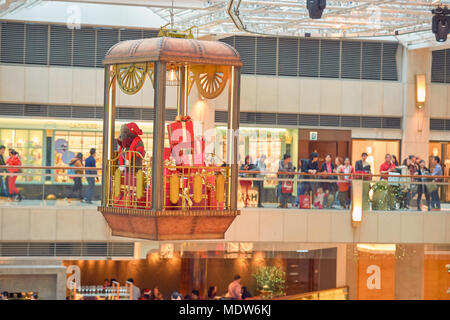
269,190
83,186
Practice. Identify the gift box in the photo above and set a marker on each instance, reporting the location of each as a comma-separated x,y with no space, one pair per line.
181,140
167,152
199,153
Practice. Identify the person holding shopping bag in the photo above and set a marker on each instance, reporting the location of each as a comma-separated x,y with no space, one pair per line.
76,162
13,161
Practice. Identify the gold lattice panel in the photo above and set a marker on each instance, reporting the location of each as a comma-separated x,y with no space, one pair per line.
131,77
210,80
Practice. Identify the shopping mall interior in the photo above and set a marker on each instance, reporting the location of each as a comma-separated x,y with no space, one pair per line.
265,85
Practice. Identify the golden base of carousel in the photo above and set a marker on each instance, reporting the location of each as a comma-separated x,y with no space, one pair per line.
168,224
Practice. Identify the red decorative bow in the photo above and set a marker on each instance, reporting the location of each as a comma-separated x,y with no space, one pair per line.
180,118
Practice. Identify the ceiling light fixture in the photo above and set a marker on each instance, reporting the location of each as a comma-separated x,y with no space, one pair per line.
440,24
315,8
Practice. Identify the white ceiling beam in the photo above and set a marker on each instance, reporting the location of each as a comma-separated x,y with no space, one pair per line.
188,4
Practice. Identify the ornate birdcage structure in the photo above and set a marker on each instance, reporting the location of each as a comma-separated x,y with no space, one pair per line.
150,197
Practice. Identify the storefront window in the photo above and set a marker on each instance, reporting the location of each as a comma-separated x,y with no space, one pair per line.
69,143
376,149
441,150
29,145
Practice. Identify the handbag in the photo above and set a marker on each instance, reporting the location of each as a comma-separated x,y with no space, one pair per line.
304,201
71,172
431,187
343,186
363,175
287,187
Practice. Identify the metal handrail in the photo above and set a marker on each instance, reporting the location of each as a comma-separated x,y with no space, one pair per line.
50,168
365,175
294,173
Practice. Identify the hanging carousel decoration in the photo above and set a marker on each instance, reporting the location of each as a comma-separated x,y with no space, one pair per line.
171,194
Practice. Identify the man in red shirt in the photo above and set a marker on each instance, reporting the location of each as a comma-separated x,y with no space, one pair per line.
387,166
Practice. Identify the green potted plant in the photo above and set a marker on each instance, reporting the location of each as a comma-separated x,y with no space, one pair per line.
385,196
270,281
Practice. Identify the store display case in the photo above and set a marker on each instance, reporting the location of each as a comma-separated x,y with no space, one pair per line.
29,145
114,292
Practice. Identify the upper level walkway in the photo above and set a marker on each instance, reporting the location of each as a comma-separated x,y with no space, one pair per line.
389,211
28,221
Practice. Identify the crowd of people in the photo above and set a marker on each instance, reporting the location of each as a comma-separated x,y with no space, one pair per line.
5,295
314,192
235,291
9,175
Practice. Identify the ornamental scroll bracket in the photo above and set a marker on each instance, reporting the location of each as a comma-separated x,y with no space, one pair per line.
112,76
151,73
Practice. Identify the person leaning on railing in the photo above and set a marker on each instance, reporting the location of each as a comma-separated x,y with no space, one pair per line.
421,188
437,171
342,185
285,187
347,168
328,187
301,184
413,167
77,162
362,166
13,160
260,166
387,166
3,189
246,184
312,167
90,162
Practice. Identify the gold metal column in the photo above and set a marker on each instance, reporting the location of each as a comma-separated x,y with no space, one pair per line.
183,91
233,134
158,136
108,126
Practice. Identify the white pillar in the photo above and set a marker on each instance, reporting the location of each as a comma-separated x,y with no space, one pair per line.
341,265
416,122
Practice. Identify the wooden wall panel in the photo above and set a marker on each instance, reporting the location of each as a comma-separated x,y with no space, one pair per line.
386,263
436,277
147,273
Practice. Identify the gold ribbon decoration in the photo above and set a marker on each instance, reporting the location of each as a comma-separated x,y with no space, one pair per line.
117,182
139,184
174,185
220,187
198,184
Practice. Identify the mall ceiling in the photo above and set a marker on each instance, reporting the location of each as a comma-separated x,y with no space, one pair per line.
406,21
